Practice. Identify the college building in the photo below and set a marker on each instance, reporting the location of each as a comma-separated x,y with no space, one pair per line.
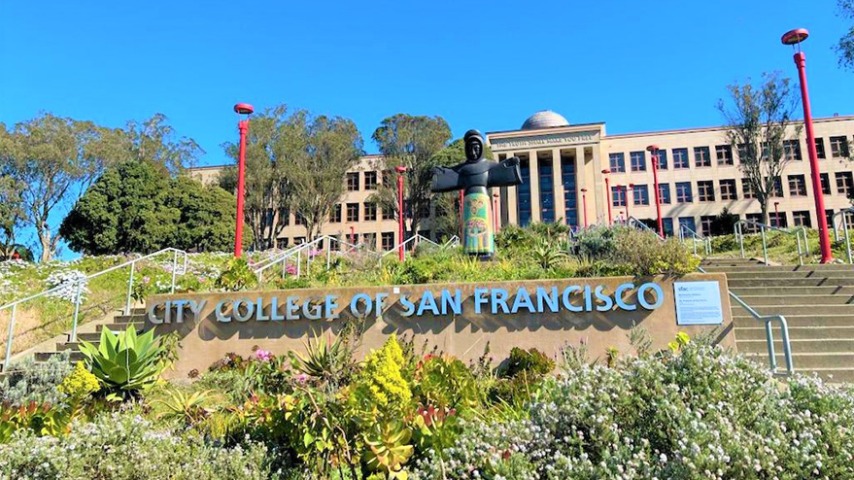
565,169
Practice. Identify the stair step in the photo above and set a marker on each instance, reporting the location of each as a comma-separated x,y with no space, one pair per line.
801,333
808,361
831,375
841,275
820,345
119,327
88,337
738,282
742,319
787,310
744,292
125,319
73,346
829,268
44,356
797,299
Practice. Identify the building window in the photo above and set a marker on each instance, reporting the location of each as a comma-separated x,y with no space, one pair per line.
706,222
640,195
724,155
664,193
570,198
370,240
387,239
683,192
797,185
778,219
662,159
747,188
844,183
742,152
819,148
523,192
352,212
618,197
706,190
352,181
547,190
424,209
388,178
792,149
282,243
755,218
687,222
825,183
667,223
777,187
618,162
680,158
728,190
299,240
801,218
284,216
638,160
370,211
298,220
838,147
370,180
702,157
335,214
388,214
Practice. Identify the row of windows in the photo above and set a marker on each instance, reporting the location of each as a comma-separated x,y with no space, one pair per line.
800,218
354,184
387,240
722,155
728,190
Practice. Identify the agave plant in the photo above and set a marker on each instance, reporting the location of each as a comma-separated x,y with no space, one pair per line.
189,408
329,361
126,362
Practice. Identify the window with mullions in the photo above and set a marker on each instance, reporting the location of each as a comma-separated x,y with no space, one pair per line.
747,188
667,223
844,183
728,190
335,214
640,195
352,212
570,198
724,155
792,149
370,211
370,180
797,185
524,193
683,192
617,162
387,239
662,159
664,193
547,200
618,197
702,157
801,218
680,158
825,183
706,191
688,222
838,147
352,181
819,148
638,160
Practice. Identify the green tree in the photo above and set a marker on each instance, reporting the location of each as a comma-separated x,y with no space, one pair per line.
153,140
52,161
11,215
207,216
758,122
412,142
845,47
267,190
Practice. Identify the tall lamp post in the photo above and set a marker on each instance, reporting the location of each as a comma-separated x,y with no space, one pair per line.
794,38
653,150
608,195
628,198
584,204
243,128
777,214
400,249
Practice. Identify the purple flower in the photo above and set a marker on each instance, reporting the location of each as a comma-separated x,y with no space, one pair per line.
301,378
146,280
291,269
263,355
313,252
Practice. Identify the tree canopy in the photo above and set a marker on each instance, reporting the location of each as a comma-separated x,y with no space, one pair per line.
845,47
758,123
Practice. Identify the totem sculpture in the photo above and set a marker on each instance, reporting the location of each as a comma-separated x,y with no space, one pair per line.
474,176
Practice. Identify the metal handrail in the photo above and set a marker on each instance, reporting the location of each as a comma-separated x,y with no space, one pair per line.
79,293
769,332
798,232
296,251
417,238
847,235
695,237
635,223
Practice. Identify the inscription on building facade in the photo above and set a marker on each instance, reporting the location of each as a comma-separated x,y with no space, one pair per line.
543,140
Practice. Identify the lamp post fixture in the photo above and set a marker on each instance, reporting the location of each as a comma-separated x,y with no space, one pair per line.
608,194
243,128
794,38
584,204
626,190
777,214
653,150
400,249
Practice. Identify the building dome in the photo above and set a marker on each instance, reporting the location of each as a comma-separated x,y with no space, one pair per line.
544,119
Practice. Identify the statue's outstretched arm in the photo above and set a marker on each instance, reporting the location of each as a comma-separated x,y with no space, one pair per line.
445,180
505,173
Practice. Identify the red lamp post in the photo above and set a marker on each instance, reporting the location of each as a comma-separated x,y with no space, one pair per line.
777,214
794,38
495,212
243,128
400,249
584,204
608,194
653,149
628,198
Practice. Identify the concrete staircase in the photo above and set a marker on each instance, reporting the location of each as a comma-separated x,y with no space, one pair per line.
119,323
817,301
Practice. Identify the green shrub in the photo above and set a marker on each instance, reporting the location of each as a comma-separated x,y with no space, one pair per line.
29,381
380,388
445,383
533,362
236,276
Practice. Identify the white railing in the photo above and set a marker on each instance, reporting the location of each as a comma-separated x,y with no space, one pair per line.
685,231
295,255
763,228
78,294
416,240
769,333
844,218
639,225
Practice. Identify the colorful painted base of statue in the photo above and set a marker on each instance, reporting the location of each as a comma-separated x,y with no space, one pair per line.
477,221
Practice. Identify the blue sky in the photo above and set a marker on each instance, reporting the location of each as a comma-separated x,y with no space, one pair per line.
636,65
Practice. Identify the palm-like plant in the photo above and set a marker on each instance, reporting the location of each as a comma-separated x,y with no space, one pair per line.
328,361
547,255
126,363
189,408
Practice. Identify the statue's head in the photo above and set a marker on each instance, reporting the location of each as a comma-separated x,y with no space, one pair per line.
474,145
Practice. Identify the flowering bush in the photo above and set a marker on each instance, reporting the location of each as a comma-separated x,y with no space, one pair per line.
380,387
68,282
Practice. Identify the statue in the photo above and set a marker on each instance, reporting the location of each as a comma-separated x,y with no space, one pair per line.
474,176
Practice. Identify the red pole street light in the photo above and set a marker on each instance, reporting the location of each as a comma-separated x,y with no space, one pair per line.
584,204
653,149
608,195
794,38
626,190
400,171
243,128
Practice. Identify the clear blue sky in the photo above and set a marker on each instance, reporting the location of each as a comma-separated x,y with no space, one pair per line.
636,65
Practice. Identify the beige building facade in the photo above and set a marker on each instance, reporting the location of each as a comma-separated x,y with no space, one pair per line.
562,169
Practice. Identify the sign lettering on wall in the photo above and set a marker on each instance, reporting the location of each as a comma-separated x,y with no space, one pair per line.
698,303
495,301
543,140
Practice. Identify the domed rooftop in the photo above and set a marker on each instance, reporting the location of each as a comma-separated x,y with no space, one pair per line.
544,119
